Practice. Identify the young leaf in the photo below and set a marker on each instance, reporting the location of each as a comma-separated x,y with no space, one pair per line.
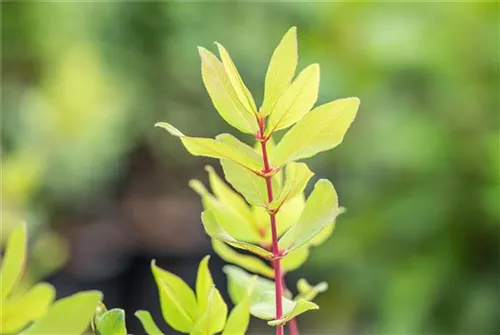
297,177
214,230
223,95
231,221
308,292
214,316
296,101
18,312
204,288
112,322
321,129
300,307
67,316
241,90
281,70
323,235
295,259
248,262
209,147
321,208
177,300
13,260
148,323
239,318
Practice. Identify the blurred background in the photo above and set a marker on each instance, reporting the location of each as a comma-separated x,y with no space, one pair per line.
103,192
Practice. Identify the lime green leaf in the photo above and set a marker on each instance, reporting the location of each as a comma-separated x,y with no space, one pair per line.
297,177
239,282
209,147
177,300
214,317
68,316
321,209
293,260
281,70
323,235
241,90
13,260
148,323
228,197
112,322
223,95
321,129
248,262
308,292
296,101
16,313
231,221
300,307
239,318
215,231
204,283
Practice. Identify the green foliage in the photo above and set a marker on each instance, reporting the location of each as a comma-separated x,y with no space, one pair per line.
32,312
257,175
110,322
201,314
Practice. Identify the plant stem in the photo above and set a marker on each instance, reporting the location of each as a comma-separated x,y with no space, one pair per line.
293,329
278,277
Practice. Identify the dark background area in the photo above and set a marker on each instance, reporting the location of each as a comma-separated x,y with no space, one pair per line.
104,192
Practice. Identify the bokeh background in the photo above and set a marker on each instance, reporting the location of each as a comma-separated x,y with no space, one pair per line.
103,191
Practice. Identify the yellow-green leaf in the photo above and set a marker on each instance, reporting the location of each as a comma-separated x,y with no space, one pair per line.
223,95
112,322
246,261
16,313
148,323
209,147
308,292
67,316
214,316
177,300
295,259
296,101
13,260
230,220
214,230
323,235
300,307
239,318
241,90
321,129
281,70
321,209
296,178
204,283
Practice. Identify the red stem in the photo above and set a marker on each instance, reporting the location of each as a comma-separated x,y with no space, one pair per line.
293,329
278,277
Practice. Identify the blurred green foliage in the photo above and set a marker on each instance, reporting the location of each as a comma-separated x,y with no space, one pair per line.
417,251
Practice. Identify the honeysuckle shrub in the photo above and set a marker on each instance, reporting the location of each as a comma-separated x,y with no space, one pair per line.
257,215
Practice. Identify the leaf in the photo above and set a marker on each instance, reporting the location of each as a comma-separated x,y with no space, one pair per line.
239,318
18,312
204,283
148,323
323,235
223,95
228,197
321,129
281,70
214,230
308,292
300,307
209,147
13,261
293,260
214,317
112,322
297,177
248,262
296,101
239,281
241,90
177,300
321,208
67,316
231,221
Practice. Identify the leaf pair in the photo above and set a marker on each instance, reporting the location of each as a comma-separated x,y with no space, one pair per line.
109,322
203,313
